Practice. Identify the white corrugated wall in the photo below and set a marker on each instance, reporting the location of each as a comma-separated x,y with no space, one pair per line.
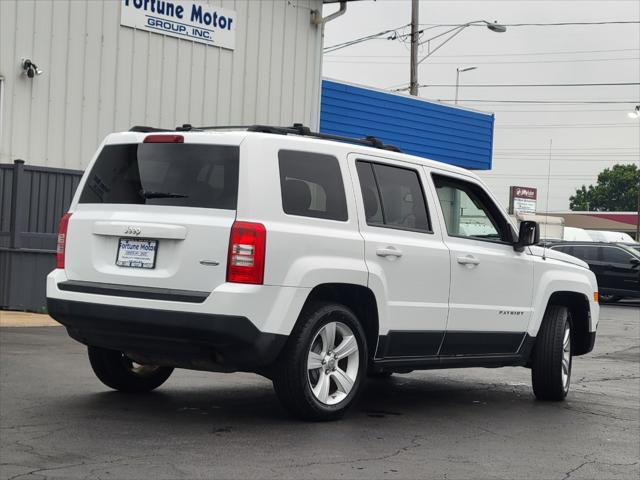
100,77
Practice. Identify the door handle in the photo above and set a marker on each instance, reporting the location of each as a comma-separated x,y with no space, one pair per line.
389,252
468,260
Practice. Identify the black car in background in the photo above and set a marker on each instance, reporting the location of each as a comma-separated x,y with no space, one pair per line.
616,266
635,246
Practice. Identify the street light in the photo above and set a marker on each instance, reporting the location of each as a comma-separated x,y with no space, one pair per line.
493,26
496,27
458,71
452,32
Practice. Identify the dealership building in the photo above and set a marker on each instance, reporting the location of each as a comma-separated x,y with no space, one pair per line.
72,72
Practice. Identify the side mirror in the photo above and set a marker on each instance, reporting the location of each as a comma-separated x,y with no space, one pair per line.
635,262
529,235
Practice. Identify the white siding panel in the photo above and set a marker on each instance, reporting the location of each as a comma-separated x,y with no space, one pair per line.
57,68
139,82
276,68
197,84
23,91
92,79
211,80
251,58
153,94
108,68
39,104
7,69
100,77
75,82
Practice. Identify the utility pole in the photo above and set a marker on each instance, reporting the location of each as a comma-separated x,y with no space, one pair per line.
413,81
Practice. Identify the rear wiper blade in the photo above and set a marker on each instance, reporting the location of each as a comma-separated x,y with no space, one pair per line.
151,194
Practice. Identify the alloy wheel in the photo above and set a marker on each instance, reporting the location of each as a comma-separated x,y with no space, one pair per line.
566,357
333,363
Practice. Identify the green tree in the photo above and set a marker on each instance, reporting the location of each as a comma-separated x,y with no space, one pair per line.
616,191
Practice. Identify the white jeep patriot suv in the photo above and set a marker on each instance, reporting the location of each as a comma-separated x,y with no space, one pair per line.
309,259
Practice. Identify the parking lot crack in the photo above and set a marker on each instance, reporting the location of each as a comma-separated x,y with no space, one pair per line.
49,469
414,443
573,470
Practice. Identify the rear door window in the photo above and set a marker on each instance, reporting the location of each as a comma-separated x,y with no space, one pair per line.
182,175
311,185
393,197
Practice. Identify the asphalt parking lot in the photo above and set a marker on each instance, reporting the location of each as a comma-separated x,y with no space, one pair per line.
58,421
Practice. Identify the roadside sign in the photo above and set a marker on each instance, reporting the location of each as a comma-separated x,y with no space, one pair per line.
522,200
184,19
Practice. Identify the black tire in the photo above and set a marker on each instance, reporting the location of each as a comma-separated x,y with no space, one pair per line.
291,377
547,366
117,371
380,375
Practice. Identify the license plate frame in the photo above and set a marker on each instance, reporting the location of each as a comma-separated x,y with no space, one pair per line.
128,260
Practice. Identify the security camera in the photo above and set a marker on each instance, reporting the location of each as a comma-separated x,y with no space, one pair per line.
30,68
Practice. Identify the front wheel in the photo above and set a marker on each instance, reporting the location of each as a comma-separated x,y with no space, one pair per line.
319,374
551,368
119,372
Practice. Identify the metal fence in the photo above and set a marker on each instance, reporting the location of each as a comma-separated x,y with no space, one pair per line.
32,200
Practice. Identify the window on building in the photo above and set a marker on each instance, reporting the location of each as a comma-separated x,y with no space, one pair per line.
393,197
311,185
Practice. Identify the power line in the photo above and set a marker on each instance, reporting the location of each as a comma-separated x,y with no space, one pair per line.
551,24
569,124
566,147
506,62
529,154
545,102
533,159
348,43
338,46
528,85
565,52
529,127
567,153
585,110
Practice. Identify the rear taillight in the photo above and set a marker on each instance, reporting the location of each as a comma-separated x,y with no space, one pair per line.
62,240
245,262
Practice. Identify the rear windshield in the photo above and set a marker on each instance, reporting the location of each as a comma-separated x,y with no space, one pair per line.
181,175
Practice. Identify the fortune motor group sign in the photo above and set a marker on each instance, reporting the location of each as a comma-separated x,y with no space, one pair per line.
182,19
522,200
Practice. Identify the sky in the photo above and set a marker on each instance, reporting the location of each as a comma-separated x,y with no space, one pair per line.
583,139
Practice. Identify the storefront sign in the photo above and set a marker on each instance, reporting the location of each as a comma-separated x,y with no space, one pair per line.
522,200
182,19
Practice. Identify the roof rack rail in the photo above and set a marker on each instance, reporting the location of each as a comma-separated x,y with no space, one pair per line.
300,129
296,129
143,129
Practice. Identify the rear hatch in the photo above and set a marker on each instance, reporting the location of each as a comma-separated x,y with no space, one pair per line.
155,215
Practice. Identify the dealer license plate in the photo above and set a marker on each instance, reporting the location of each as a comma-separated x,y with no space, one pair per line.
137,253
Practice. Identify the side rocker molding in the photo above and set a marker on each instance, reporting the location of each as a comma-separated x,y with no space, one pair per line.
521,357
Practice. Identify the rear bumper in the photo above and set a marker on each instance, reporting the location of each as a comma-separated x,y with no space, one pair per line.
174,338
